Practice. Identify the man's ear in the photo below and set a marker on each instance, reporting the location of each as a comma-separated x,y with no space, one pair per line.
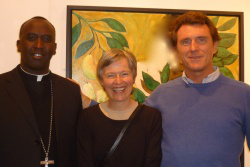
215,47
178,58
18,45
55,47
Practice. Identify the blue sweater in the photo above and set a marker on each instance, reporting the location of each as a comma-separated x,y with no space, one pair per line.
204,125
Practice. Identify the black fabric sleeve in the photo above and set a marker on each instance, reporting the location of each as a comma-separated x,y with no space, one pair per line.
84,141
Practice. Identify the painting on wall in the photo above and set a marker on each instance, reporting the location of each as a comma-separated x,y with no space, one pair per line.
93,30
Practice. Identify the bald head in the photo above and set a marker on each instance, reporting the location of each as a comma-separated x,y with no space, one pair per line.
35,18
36,45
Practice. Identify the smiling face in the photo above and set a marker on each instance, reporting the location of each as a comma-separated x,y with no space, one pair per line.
36,45
196,48
117,80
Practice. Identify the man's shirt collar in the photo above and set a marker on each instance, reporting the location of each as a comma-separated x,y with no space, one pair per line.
38,77
210,78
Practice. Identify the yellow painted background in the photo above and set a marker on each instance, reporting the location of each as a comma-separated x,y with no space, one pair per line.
141,29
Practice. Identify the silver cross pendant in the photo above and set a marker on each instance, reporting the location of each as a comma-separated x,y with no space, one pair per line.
47,162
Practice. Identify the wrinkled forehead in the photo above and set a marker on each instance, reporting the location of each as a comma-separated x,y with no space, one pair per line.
37,26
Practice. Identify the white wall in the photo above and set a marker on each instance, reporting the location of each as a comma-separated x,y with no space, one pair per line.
14,13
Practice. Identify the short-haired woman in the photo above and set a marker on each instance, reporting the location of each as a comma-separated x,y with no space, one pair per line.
99,126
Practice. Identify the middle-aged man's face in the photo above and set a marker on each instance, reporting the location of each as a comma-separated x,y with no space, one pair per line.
195,48
37,46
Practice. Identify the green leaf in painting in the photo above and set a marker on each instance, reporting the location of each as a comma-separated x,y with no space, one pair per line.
139,95
222,52
114,24
227,25
149,81
84,47
120,38
165,73
113,43
76,31
215,20
229,60
218,64
103,53
227,40
225,71
215,58
217,61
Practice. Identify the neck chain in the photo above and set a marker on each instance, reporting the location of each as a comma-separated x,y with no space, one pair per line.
47,161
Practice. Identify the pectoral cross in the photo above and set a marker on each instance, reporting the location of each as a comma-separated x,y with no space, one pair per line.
46,162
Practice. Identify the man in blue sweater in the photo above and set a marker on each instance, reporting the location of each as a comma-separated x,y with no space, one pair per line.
206,116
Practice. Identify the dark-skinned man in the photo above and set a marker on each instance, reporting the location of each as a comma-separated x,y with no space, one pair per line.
39,109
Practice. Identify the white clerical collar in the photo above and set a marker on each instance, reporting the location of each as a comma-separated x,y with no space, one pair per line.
39,77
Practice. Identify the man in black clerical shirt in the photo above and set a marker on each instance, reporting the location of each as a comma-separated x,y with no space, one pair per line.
38,109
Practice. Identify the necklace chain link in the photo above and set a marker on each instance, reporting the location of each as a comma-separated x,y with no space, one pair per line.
51,122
